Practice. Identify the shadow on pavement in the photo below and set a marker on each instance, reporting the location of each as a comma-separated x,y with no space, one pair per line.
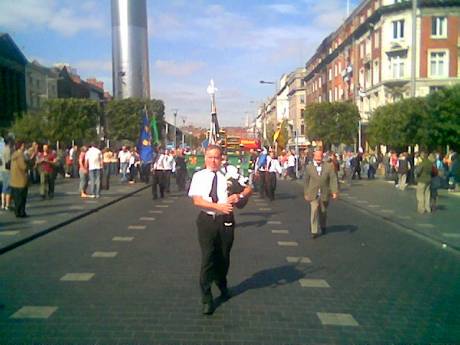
341,228
257,223
260,213
32,207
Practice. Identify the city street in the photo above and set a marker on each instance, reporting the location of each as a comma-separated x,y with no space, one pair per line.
128,274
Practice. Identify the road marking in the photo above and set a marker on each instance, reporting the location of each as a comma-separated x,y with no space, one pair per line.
77,277
298,260
90,202
374,206
352,197
451,235
274,222
64,214
156,212
362,202
8,233
147,219
265,209
387,211
76,207
345,194
34,312
314,283
167,201
137,227
162,206
280,231
425,225
104,254
38,222
122,239
337,319
404,217
288,243
72,193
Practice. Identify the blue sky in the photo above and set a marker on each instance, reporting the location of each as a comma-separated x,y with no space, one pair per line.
237,43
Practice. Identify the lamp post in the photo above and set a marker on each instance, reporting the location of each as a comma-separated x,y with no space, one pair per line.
265,108
175,128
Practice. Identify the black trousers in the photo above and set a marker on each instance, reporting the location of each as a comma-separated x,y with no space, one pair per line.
20,199
270,184
262,183
167,178
158,181
181,175
216,240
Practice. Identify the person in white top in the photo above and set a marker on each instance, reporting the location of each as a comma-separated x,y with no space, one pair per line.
124,156
158,169
291,165
169,165
93,159
273,168
215,224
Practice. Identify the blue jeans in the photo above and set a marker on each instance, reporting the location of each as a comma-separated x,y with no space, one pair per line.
124,168
83,181
94,182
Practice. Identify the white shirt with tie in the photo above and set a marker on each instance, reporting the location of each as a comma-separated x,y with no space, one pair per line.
202,183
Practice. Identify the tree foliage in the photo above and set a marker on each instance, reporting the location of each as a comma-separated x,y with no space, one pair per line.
61,120
333,123
431,122
124,117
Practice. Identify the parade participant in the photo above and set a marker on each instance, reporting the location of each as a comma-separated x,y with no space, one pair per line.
83,172
181,170
169,168
94,162
320,184
402,168
423,172
215,224
46,161
5,171
273,168
261,169
19,180
158,175
107,157
124,155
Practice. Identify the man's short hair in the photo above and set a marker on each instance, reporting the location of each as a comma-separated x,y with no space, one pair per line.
214,147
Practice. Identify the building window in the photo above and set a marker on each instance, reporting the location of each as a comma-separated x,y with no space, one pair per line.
336,94
397,66
438,64
398,29
361,50
330,96
319,82
335,70
330,73
436,88
376,40
319,99
302,129
439,27
376,72
302,99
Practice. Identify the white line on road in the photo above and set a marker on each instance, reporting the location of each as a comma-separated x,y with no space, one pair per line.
137,227
298,260
451,235
147,219
38,222
156,212
425,225
265,209
288,243
337,319
162,206
122,239
314,283
8,233
34,312
77,277
104,254
274,222
280,231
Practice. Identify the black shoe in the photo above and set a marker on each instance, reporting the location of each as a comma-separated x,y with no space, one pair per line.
155,198
208,308
225,295
323,231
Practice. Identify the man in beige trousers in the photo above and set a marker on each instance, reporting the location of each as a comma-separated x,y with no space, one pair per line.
320,184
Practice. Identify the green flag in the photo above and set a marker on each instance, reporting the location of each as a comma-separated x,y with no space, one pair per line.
154,126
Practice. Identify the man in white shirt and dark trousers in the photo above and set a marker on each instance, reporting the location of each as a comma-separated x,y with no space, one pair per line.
273,168
215,223
158,175
94,163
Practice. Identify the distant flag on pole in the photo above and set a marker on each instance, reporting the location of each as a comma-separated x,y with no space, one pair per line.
154,127
144,145
214,127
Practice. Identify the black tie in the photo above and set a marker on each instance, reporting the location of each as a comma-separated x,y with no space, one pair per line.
213,193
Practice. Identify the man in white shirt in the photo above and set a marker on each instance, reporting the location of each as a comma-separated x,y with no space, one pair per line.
273,168
215,224
124,156
169,165
158,169
291,165
93,159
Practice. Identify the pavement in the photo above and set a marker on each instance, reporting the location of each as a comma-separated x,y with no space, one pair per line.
49,215
128,274
380,198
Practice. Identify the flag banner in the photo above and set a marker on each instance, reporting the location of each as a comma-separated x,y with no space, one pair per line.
154,127
280,136
144,145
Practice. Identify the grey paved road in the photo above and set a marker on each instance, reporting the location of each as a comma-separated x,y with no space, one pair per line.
128,275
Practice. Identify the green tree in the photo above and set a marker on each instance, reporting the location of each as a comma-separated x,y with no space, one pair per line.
401,124
444,120
124,117
61,120
333,123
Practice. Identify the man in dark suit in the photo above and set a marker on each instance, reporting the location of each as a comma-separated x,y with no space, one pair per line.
320,184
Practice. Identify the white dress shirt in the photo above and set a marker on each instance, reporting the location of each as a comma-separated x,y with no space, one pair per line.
94,158
202,183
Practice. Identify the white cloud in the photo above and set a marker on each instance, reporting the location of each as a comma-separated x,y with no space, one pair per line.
283,8
58,16
178,69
